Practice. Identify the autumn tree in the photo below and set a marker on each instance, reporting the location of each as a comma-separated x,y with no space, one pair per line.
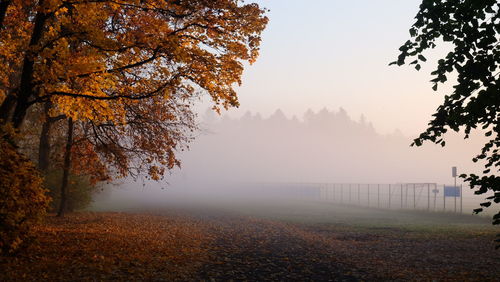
122,71
90,59
146,143
472,28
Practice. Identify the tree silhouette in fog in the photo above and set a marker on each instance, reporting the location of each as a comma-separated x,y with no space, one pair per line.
472,28
323,146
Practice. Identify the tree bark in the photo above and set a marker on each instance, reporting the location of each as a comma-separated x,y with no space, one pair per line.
66,169
26,87
4,4
44,141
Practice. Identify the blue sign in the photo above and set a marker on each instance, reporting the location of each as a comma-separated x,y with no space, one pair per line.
451,191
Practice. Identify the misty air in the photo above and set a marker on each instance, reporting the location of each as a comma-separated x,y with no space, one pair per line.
259,140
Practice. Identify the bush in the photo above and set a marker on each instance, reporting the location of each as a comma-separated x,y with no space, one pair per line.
23,200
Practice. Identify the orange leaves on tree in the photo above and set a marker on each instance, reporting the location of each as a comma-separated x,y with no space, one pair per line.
23,200
127,71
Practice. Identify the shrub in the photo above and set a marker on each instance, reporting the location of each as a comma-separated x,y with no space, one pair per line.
23,200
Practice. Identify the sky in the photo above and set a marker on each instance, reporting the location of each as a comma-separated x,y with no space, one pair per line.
330,54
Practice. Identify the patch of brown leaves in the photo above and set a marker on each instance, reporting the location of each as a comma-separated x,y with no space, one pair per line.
110,246
207,246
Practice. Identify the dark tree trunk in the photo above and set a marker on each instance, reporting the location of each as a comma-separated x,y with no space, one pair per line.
26,86
25,93
4,4
44,144
66,169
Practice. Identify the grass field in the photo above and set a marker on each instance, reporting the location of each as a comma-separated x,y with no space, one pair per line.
258,241
323,213
388,244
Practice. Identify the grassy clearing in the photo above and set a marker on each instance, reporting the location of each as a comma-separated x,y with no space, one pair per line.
263,240
331,216
362,218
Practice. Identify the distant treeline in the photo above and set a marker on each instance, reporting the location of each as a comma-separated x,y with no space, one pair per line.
324,146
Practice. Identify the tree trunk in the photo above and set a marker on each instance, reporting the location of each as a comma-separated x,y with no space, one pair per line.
66,169
26,86
44,143
4,4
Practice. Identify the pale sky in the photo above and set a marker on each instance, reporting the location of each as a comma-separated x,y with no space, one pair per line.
332,53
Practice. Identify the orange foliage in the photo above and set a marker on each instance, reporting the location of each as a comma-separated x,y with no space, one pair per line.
23,200
93,57
111,64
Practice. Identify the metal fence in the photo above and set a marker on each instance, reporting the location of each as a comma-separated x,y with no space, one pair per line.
418,196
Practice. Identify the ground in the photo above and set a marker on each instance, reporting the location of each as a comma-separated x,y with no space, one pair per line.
311,242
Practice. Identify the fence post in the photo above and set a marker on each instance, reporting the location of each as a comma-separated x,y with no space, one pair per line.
390,195
378,195
435,196
350,201
329,188
444,200
327,191
325,188
414,196
455,200
341,193
368,195
461,198
428,196
333,192
359,197
401,195
406,195
324,194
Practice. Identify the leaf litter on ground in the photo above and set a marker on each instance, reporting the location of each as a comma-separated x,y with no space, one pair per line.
217,247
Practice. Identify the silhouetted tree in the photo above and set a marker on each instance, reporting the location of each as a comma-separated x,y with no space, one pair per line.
472,27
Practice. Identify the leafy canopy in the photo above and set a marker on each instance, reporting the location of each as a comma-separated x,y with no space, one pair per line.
125,70
473,29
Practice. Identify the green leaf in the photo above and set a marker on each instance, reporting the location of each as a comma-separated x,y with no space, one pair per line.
486,204
422,58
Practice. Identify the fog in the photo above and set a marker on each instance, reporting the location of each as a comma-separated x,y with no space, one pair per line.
327,146
258,158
